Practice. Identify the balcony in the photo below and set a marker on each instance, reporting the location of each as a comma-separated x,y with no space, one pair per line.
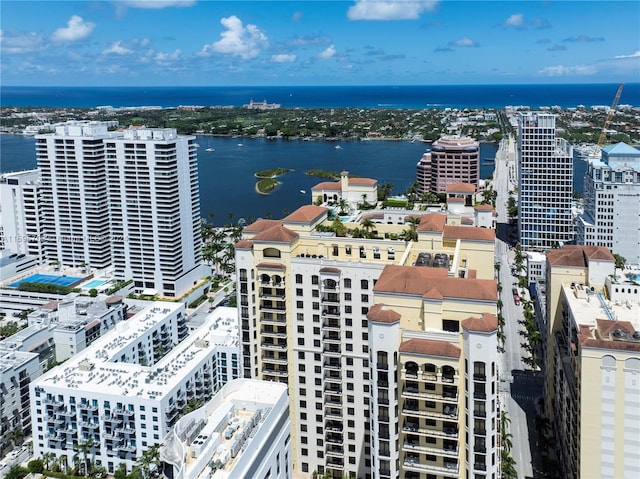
451,413
332,365
412,447
412,428
333,414
277,318
333,426
334,451
332,400
335,462
479,377
333,376
331,337
479,413
382,366
331,324
275,372
332,389
450,469
332,350
480,467
270,332
479,395
274,346
334,437
268,307
331,313
448,397
282,359
272,293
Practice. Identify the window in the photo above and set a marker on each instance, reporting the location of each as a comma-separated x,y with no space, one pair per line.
364,284
314,279
347,283
298,279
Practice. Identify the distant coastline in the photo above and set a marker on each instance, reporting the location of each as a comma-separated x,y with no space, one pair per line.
383,97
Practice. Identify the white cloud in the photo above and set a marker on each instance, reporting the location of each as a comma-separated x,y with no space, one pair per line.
166,58
633,55
561,70
327,53
76,29
464,42
515,20
237,40
116,48
19,42
297,16
394,10
155,4
284,58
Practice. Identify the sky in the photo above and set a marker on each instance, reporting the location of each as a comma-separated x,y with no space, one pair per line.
307,42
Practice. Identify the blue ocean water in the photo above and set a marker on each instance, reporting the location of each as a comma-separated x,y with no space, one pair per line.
415,97
226,174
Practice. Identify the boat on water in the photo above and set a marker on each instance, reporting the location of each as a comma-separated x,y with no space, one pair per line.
210,149
338,147
240,145
303,192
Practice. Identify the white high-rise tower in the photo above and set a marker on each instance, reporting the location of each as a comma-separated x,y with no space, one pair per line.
545,189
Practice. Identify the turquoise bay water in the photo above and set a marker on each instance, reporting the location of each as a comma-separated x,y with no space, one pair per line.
226,174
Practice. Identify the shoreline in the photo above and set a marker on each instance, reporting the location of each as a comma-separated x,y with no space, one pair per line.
266,193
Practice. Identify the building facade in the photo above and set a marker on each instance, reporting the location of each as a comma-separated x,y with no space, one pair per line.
592,391
20,213
545,183
304,297
127,199
121,395
451,160
243,431
611,215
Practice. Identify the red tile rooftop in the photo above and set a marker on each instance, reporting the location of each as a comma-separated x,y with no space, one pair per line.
486,323
328,185
430,347
244,244
362,181
329,269
603,336
461,187
469,233
381,314
455,200
483,208
276,234
578,255
306,214
270,266
419,280
261,225
432,222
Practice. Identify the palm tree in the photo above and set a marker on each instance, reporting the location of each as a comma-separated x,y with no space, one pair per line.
84,448
368,225
48,457
343,205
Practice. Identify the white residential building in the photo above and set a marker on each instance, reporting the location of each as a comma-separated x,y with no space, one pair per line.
20,213
611,215
127,199
242,432
122,394
545,188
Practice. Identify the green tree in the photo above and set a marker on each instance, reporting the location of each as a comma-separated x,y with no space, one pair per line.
36,465
368,226
93,292
16,472
620,261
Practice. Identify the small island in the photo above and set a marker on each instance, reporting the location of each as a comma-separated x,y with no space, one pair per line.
267,182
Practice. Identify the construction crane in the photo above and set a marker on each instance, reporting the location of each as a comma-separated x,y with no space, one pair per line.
607,122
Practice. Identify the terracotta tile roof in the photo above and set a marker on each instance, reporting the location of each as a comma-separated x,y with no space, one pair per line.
486,323
113,300
329,269
271,266
483,208
600,337
467,221
306,214
51,305
432,222
261,225
606,327
461,188
430,347
419,280
469,233
455,200
578,255
276,234
328,185
433,293
373,216
362,181
244,244
381,314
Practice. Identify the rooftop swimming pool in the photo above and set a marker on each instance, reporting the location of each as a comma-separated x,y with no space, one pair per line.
94,284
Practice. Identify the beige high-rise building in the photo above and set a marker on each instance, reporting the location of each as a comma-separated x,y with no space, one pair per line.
311,316
593,363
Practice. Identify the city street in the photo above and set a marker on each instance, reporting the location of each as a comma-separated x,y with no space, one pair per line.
520,386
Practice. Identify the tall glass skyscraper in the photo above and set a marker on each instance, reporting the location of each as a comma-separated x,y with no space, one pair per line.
545,172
